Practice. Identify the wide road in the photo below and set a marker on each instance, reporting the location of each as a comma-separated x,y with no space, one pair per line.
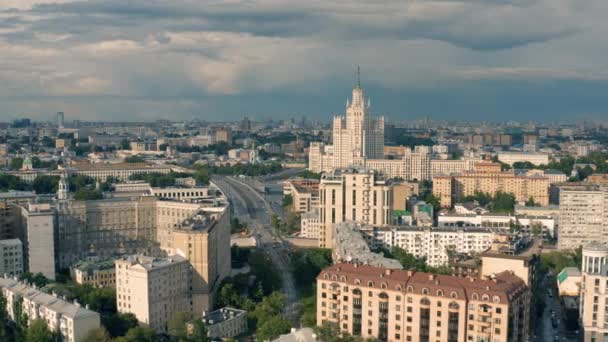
545,330
251,207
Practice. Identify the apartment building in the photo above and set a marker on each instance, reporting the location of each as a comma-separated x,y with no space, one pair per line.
310,224
583,213
153,289
350,246
38,237
73,321
594,292
598,178
353,194
223,135
97,273
450,189
11,257
431,243
401,305
304,194
223,323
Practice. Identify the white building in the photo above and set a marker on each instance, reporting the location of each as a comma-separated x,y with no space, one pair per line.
310,223
153,289
547,224
224,323
513,157
432,244
594,292
583,215
72,320
11,257
356,137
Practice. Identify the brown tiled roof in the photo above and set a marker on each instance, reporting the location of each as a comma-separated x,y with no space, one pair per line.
505,285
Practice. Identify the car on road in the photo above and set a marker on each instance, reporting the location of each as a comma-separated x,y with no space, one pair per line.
554,322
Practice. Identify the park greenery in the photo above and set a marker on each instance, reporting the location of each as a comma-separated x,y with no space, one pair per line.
411,262
309,174
160,180
556,261
309,264
501,202
260,297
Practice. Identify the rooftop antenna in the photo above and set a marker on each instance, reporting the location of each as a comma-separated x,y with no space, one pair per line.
358,77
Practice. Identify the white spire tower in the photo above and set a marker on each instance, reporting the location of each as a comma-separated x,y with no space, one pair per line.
62,188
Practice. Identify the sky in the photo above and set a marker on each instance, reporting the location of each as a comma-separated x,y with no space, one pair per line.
491,60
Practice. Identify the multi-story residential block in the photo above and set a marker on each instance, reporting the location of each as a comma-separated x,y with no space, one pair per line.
400,305
310,224
11,257
450,189
432,244
143,146
304,194
73,321
353,194
3,150
38,236
598,178
583,213
594,292
97,273
223,135
62,143
153,289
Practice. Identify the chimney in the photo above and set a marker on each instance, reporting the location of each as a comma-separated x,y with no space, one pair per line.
388,271
431,276
410,273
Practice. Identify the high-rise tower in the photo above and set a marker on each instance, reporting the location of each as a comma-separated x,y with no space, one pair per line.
357,136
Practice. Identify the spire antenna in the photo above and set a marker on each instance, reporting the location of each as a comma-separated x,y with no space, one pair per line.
358,76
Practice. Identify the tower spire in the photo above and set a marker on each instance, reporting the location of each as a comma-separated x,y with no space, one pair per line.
358,77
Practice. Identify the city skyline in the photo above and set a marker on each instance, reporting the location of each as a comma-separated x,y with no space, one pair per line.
146,60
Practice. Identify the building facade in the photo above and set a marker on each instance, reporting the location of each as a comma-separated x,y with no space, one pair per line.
594,292
400,305
356,195
450,189
73,321
583,213
11,257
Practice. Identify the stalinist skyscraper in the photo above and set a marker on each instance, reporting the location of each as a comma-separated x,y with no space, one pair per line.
356,136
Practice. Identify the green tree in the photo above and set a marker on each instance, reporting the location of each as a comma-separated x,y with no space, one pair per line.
39,332
45,184
124,144
531,203
3,318
118,324
433,200
85,194
287,201
199,332
16,163
272,328
134,159
138,334
37,279
503,202
98,335
176,326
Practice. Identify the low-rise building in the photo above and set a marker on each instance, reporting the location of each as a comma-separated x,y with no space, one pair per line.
97,273
569,282
224,323
153,289
310,224
73,321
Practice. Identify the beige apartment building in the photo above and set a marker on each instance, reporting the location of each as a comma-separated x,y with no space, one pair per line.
73,321
450,189
583,213
304,194
223,135
11,257
402,305
594,292
153,289
402,191
598,178
353,195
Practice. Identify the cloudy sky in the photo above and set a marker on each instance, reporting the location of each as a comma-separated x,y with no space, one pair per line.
182,59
